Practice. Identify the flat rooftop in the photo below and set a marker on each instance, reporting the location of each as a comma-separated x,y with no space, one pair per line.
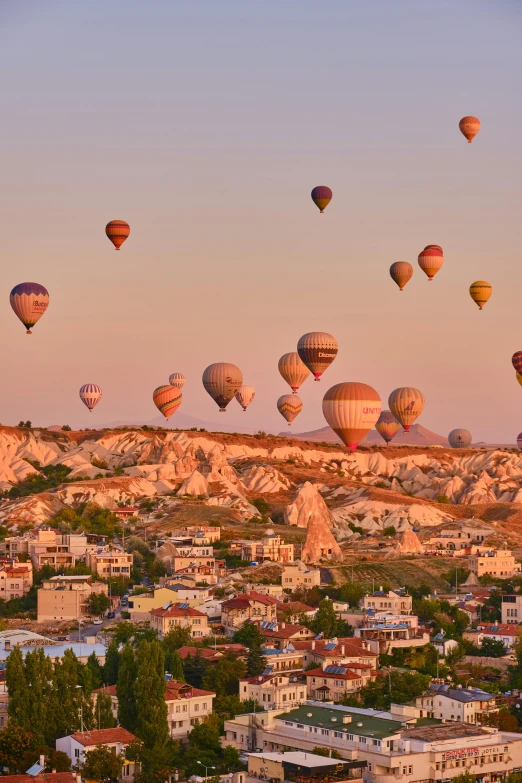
300,758
444,731
333,719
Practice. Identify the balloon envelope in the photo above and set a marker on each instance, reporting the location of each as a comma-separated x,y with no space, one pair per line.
293,370
289,406
317,350
245,396
117,231
519,378
400,273
469,127
480,291
516,360
29,302
459,439
167,399
519,440
321,196
177,379
406,404
431,260
387,426
222,381
351,409
90,395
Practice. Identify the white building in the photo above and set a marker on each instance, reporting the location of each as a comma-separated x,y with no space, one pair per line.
274,691
456,704
394,602
78,744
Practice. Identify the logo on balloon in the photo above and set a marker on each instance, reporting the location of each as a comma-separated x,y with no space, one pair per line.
327,355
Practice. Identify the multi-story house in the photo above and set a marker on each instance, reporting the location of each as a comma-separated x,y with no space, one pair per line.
383,634
246,606
274,691
496,562
292,611
141,605
15,579
286,659
334,682
298,574
468,705
337,652
109,564
66,597
182,615
393,602
512,608
81,742
271,547
278,634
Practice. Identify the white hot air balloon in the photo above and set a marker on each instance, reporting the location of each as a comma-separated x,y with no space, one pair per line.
90,395
222,381
351,409
245,396
293,370
177,379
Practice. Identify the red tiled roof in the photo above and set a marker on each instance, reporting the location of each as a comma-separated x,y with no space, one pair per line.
175,611
283,633
205,652
173,691
103,736
330,676
262,678
353,646
48,777
110,689
295,607
244,599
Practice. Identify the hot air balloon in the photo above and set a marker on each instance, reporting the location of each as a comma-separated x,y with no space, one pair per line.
289,406
29,302
469,127
519,378
167,399
245,396
317,351
177,379
293,370
387,426
406,404
459,439
351,410
222,381
321,196
519,440
400,273
430,260
117,231
516,360
90,395
480,291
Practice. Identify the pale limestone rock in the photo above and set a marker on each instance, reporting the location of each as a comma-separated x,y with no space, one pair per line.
195,485
307,502
409,543
320,543
265,480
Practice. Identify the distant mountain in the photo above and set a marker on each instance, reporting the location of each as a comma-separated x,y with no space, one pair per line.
417,436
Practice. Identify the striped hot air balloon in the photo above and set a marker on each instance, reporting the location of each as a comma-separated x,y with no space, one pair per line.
460,439
222,381
167,399
321,196
29,302
177,379
469,127
516,360
401,272
293,370
387,426
117,231
289,406
480,291
317,351
431,260
406,404
90,395
245,396
351,409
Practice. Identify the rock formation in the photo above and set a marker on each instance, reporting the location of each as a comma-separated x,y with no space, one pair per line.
409,544
320,543
306,503
195,485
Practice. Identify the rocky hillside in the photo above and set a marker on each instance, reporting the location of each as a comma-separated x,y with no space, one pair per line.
323,489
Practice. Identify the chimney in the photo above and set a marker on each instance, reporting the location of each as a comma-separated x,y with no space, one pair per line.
313,645
342,649
41,761
7,645
283,625
380,589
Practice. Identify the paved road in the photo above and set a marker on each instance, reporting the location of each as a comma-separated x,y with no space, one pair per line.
92,630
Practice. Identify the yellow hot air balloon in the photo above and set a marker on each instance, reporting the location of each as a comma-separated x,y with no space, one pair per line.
400,273
167,399
351,410
289,406
469,127
406,404
245,396
480,291
293,370
519,378
431,260
317,351
222,381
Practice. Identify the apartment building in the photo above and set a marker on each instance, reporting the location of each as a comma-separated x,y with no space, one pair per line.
393,602
183,615
300,575
109,564
386,633
278,634
274,691
66,597
81,742
141,605
334,682
286,659
338,652
46,546
271,547
496,562
200,534
246,606
16,579
512,608
468,705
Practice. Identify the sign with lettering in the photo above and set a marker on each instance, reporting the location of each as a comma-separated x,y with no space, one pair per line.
462,753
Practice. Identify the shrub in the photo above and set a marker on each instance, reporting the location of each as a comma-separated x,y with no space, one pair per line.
443,499
389,531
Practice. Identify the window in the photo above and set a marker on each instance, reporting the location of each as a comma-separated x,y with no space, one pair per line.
196,707
410,770
77,753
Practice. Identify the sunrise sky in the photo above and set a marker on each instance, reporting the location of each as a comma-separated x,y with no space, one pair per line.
205,125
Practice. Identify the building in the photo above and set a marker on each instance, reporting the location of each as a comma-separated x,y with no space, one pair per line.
66,597
78,744
126,512
182,615
300,575
140,606
247,606
214,654
505,633
271,547
292,611
186,706
394,601
109,564
201,534
512,608
278,634
287,659
299,766
334,682
28,641
16,579
393,745
386,633
338,652
468,705
48,546
496,562
274,691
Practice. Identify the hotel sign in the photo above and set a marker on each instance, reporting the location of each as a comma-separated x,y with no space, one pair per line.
462,753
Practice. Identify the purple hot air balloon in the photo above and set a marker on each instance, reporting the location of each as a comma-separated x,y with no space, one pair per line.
321,196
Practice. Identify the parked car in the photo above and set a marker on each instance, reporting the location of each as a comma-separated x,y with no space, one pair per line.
111,615
97,621
62,638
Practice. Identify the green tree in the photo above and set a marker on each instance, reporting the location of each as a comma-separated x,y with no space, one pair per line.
111,665
492,648
248,635
103,716
19,705
223,677
98,603
325,621
14,742
54,759
204,745
175,667
68,698
126,689
195,669
96,671
152,725
256,663
39,675
102,764
177,637
351,592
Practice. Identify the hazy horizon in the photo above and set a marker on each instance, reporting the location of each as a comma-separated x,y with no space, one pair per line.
206,126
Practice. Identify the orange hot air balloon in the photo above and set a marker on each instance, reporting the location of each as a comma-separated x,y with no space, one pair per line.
431,260
293,370
167,399
406,404
289,406
351,410
480,291
387,426
400,273
117,231
469,127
